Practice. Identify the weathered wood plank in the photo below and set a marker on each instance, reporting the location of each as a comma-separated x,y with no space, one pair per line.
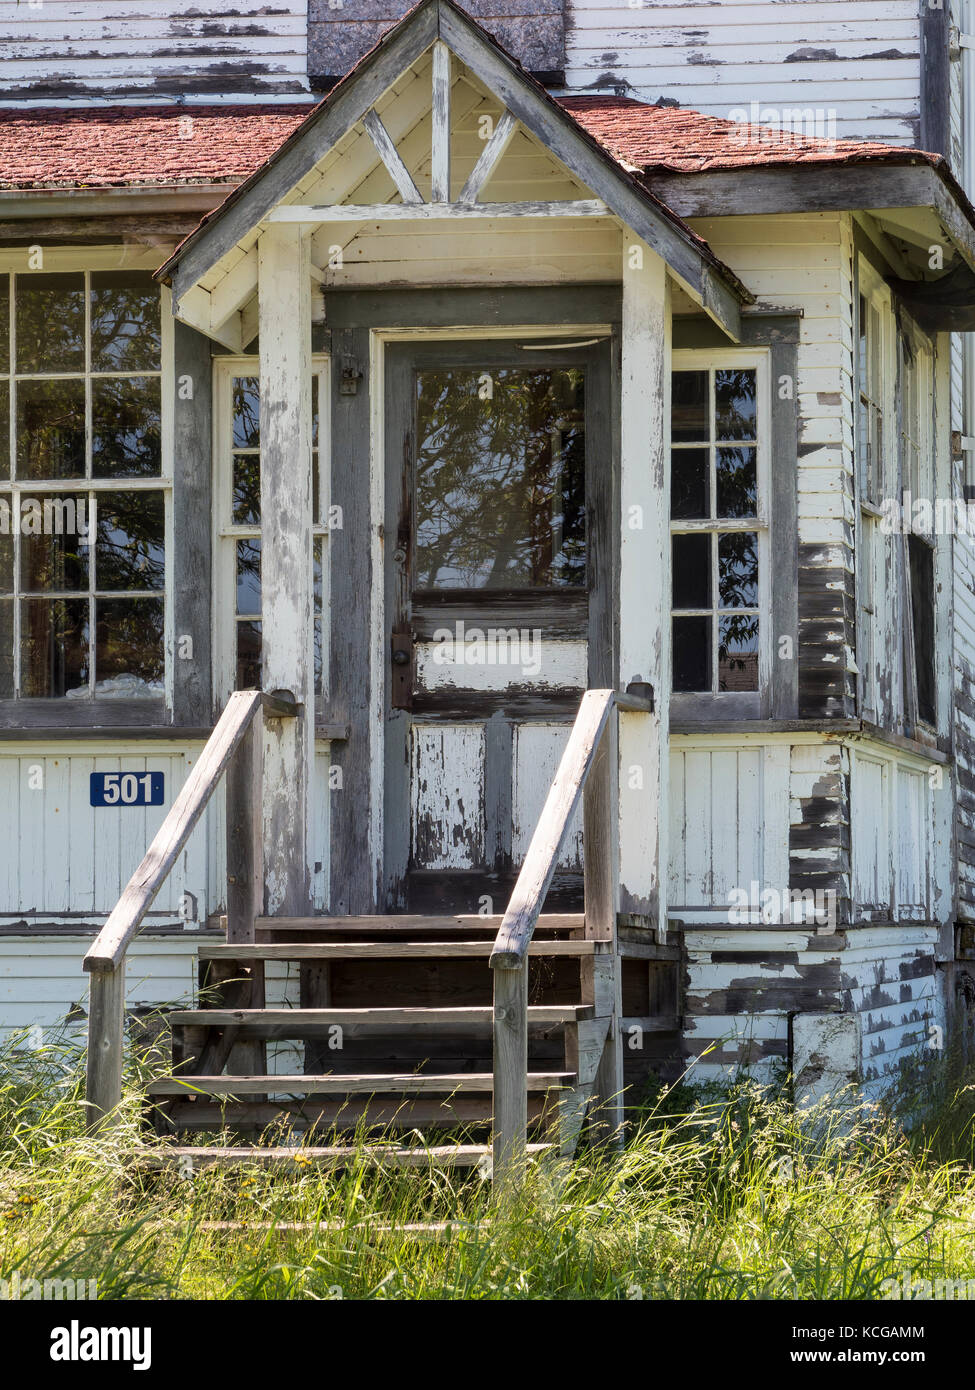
301,1019
286,559
440,151
370,1083
106,1033
489,158
560,805
385,950
311,213
390,156
510,1084
245,833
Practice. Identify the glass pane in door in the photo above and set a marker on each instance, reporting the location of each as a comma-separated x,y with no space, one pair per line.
500,479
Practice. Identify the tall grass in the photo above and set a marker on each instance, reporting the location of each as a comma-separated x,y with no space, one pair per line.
715,1195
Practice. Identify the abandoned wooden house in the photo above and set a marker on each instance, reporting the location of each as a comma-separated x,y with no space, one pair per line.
483,512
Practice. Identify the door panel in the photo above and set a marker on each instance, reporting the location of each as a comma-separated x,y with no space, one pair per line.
499,465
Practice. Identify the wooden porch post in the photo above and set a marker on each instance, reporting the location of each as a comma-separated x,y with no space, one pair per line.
644,581
284,311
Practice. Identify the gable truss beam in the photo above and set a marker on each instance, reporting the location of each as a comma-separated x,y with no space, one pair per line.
246,207
582,157
487,162
390,156
440,152
428,212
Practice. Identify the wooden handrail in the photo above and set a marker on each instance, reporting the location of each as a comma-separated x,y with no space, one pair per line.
105,961
518,925
588,743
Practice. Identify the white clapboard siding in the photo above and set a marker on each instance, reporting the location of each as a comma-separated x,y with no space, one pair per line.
41,979
804,262
859,58
153,49
62,855
729,827
447,795
62,858
537,751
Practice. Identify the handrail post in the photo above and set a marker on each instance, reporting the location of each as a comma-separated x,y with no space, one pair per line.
106,1029
510,1138
600,975
105,960
245,833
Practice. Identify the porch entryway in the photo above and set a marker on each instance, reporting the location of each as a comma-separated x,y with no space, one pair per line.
495,613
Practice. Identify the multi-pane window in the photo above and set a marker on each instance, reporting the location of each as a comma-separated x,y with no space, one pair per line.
917,483
82,502
874,396
716,527
240,403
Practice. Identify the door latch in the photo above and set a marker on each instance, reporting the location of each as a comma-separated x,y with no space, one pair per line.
401,660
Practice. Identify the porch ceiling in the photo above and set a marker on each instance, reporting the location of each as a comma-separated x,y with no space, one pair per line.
387,139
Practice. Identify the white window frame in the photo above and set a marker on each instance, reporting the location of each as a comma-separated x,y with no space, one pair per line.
758,360
62,261
227,533
875,606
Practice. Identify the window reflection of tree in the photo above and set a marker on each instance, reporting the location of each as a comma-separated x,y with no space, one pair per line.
500,483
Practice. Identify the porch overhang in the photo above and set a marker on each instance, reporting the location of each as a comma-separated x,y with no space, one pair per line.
914,203
225,239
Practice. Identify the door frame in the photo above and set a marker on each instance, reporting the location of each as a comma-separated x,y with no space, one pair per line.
598,623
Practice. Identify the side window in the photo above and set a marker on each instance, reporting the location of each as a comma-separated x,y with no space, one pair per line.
239,520
917,484
875,386
82,499
718,530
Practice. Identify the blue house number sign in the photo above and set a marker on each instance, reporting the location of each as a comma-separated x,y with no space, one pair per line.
126,788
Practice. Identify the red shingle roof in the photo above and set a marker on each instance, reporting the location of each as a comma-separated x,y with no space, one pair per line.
668,138
122,145
129,145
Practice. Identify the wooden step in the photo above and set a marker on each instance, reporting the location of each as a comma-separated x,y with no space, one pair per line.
393,923
209,1114
297,1023
328,1156
388,950
334,1084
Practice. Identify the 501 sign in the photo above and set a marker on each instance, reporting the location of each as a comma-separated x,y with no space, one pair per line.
126,788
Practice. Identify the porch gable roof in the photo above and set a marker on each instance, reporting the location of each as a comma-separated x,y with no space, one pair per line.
713,284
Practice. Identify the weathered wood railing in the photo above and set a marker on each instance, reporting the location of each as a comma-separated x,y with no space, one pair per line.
588,771
235,746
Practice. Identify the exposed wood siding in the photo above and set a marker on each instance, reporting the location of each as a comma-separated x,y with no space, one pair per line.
148,49
857,58
743,987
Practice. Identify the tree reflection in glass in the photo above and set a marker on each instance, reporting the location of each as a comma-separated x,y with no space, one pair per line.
500,479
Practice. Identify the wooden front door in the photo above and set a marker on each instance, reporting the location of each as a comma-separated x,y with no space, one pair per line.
498,544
